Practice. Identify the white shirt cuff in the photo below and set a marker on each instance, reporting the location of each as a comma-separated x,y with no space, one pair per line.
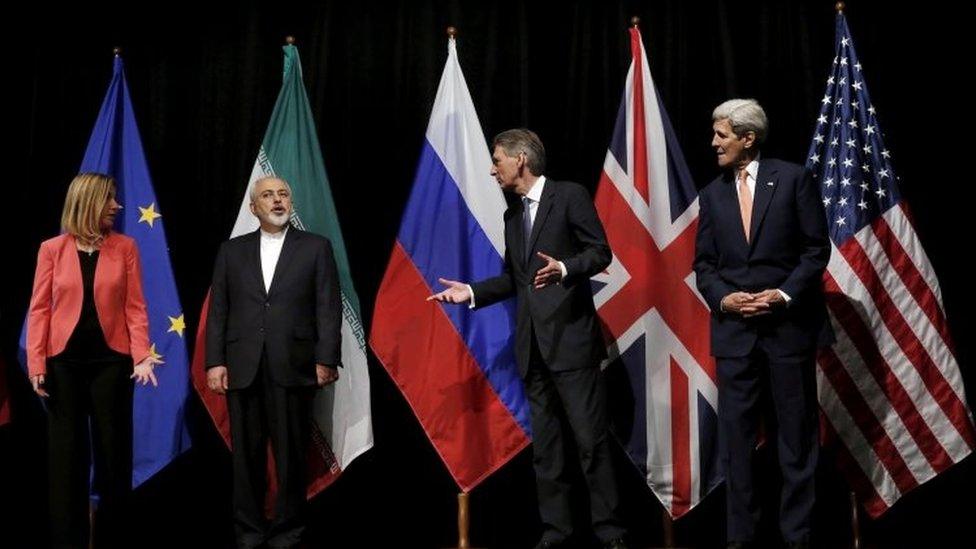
562,269
785,295
470,292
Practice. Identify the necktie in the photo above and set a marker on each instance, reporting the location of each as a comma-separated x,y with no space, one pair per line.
745,203
526,225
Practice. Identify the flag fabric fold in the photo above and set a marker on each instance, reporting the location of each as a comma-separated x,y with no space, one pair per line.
342,426
891,393
654,319
159,430
455,367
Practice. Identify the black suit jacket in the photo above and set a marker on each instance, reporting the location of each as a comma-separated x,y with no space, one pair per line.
561,316
297,323
788,250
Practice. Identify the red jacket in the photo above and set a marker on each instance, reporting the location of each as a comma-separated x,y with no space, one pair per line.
55,305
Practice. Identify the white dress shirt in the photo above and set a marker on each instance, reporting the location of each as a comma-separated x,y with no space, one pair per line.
270,252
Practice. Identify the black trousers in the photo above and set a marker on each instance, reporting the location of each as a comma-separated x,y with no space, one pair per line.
265,409
792,385
562,405
95,393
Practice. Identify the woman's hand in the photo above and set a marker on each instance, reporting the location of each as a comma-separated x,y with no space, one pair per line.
38,383
143,372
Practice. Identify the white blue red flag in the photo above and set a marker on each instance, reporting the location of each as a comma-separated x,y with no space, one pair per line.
456,367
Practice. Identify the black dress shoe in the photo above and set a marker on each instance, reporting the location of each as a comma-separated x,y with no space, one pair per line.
549,544
615,543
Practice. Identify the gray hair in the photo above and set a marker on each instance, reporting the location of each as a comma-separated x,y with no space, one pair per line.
745,115
522,140
252,192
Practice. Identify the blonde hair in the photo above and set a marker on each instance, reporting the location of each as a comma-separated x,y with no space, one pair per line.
84,205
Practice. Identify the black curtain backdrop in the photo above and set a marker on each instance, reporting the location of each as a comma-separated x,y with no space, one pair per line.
204,77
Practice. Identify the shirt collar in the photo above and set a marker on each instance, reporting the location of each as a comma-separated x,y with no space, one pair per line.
280,235
535,193
753,168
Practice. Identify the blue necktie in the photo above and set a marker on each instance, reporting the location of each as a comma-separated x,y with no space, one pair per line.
526,226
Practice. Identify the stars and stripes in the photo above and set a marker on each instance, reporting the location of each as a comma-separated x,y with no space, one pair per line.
890,388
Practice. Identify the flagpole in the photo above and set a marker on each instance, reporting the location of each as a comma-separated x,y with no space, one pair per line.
463,514
116,53
855,518
667,523
463,521
667,526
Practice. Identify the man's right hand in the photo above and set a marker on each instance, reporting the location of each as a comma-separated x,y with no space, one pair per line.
744,304
456,292
217,379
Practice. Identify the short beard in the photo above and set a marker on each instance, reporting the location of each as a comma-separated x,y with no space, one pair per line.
278,220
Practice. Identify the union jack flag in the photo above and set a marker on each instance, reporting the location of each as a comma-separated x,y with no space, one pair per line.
654,319
890,389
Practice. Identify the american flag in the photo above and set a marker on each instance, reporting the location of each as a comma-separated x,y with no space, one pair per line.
890,388
656,323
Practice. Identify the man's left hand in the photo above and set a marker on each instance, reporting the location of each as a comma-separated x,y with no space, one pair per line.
326,374
550,274
773,298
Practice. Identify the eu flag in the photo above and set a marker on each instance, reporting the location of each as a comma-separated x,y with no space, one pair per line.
159,431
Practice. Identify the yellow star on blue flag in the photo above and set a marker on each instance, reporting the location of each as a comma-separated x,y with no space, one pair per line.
149,214
176,325
154,354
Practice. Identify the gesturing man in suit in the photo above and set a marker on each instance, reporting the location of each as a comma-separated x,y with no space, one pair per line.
554,243
273,336
761,250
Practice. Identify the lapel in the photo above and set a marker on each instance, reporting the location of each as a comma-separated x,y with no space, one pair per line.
541,215
765,187
254,259
69,256
284,260
518,232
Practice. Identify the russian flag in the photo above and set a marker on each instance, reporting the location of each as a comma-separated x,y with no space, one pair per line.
456,367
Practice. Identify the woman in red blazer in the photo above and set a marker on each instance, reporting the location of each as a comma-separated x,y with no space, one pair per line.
87,339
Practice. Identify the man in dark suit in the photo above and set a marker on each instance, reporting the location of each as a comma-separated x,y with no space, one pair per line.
554,243
273,336
761,251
